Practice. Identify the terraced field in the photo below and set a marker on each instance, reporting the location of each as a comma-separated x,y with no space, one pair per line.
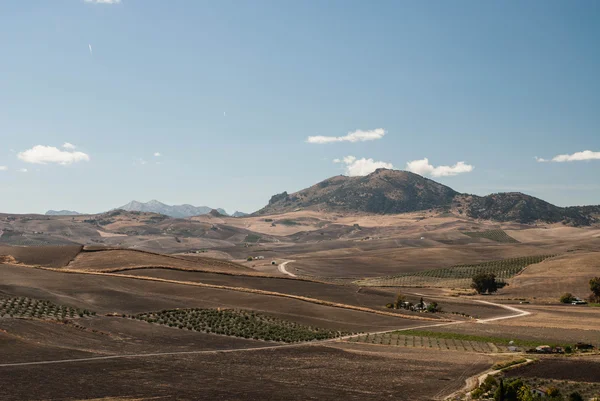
494,235
459,276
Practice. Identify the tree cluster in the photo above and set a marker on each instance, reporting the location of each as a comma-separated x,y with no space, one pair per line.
517,390
485,283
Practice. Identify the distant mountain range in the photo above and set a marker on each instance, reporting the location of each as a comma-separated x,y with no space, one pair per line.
61,213
154,206
392,191
178,211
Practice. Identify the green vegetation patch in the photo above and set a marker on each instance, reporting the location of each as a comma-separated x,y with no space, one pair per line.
23,307
494,235
288,222
459,276
238,323
470,337
252,238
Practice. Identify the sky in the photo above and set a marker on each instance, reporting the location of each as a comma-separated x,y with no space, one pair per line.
225,103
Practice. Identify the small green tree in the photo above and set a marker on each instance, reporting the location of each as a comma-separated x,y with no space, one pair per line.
575,397
433,307
553,392
524,394
595,287
567,298
485,283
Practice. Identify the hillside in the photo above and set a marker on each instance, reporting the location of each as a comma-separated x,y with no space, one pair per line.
521,208
178,211
393,191
384,192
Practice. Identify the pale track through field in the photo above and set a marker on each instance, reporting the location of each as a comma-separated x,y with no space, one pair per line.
520,313
282,269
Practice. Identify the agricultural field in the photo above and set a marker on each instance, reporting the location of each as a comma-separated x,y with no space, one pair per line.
24,307
238,323
47,256
416,340
458,276
493,235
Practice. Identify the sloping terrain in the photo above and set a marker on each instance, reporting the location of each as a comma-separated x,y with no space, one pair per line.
111,260
384,191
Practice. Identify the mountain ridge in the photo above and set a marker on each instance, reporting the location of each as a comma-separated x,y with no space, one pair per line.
177,211
388,191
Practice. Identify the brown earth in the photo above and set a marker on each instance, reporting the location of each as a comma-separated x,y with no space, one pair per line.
350,372
548,280
572,369
49,256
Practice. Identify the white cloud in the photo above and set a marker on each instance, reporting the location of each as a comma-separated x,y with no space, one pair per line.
40,154
359,167
103,1
157,154
22,170
422,167
3,168
68,145
575,157
356,136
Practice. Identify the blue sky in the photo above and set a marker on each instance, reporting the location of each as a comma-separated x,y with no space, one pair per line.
228,92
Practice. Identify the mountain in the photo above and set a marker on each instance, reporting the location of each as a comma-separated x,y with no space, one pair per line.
383,191
239,214
392,191
178,211
62,213
521,208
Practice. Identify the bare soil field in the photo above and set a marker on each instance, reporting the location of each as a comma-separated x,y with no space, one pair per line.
115,260
547,281
390,261
350,372
109,294
509,329
572,369
49,256
103,336
577,317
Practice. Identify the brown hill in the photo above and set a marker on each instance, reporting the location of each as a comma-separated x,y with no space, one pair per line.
392,191
384,191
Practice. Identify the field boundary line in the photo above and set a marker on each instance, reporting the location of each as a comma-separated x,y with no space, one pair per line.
247,290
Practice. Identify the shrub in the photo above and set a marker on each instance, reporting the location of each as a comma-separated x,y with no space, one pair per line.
249,258
575,396
567,298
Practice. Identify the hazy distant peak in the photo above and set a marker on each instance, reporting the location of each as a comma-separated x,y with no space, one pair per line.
62,213
178,211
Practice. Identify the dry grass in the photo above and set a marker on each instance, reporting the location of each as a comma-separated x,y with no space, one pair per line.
550,279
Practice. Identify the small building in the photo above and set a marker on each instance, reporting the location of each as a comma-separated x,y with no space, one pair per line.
538,392
544,349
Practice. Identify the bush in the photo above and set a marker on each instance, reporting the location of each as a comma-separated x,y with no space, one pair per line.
567,298
249,258
433,307
575,396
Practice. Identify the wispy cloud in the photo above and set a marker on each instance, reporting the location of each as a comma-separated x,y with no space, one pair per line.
575,157
22,170
359,167
103,1
157,154
91,51
355,136
3,168
41,154
68,145
423,167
